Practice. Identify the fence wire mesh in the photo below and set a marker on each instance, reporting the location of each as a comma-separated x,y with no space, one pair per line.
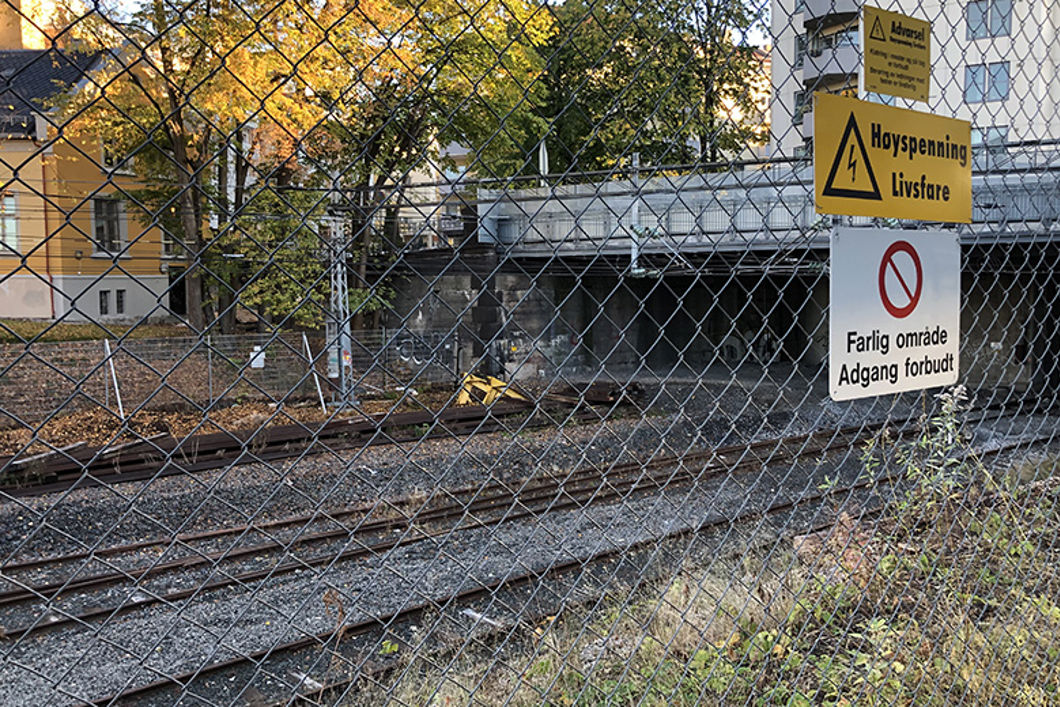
476,352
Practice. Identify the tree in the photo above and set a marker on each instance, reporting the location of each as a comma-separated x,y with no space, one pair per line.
182,83
673,80
465,77
280,255
218,100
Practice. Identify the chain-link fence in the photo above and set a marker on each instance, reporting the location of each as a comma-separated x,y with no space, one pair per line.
478,352
183,374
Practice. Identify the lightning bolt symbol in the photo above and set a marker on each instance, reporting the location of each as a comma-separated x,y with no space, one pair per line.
852,165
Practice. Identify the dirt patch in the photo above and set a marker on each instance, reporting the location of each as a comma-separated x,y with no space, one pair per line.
103,427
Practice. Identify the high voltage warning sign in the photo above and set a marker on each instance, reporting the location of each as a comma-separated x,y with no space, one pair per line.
897,54
856,180
877,32
875,160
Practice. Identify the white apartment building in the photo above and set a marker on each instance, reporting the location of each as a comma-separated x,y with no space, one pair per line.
994,63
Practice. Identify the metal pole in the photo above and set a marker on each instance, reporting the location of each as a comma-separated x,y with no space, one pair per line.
384,348
316,376
114,378
337,330
209,370
634,216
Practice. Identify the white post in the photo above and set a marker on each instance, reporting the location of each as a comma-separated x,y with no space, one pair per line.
316,376
634,216
113,377
542,161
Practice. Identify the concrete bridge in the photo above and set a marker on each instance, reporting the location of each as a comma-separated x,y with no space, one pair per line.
718,271
758,209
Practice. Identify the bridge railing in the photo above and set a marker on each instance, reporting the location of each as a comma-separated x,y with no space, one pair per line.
701,212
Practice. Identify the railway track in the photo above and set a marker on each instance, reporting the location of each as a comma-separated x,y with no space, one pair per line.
470,508
352,630
331,639
82,466
312,692
359,531
464,509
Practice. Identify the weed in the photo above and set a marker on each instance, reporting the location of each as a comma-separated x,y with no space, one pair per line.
950,597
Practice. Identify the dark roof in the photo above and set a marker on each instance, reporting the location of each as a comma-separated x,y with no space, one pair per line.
30,78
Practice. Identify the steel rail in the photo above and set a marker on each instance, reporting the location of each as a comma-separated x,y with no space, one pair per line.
547,489
549,496
481,492
350,630
95,467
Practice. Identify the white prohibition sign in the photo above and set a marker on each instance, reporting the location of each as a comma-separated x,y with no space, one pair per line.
894,311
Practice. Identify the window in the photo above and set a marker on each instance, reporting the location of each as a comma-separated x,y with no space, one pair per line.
990,140
800,50
974,82
171,245
8,225
104,302
988,18
819,44
986,82
802,98
850,37
106,217
997,86
119,301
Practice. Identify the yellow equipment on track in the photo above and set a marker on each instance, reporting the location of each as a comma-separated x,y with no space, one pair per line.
488,389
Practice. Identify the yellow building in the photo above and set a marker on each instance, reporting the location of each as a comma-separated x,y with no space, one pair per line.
73,244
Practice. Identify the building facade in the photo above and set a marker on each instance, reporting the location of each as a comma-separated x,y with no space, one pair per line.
992,62
73,244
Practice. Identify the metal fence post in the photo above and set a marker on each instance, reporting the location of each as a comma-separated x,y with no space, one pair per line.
209,372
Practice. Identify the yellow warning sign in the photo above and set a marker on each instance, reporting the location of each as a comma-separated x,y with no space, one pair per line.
875,160
897,54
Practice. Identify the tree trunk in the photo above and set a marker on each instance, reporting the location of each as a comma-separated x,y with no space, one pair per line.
174,125
193,241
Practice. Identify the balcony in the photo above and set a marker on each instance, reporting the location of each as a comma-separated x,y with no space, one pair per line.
831,66
825,13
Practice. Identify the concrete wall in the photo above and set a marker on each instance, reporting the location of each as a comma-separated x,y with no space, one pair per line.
431,305
687,324
813,320
25,296
77,297
683,323
997,330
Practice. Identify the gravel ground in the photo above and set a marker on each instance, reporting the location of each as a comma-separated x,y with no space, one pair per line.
77,663
681,417
85,662
180,638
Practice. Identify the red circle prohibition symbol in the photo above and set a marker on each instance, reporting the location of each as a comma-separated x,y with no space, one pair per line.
914,294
